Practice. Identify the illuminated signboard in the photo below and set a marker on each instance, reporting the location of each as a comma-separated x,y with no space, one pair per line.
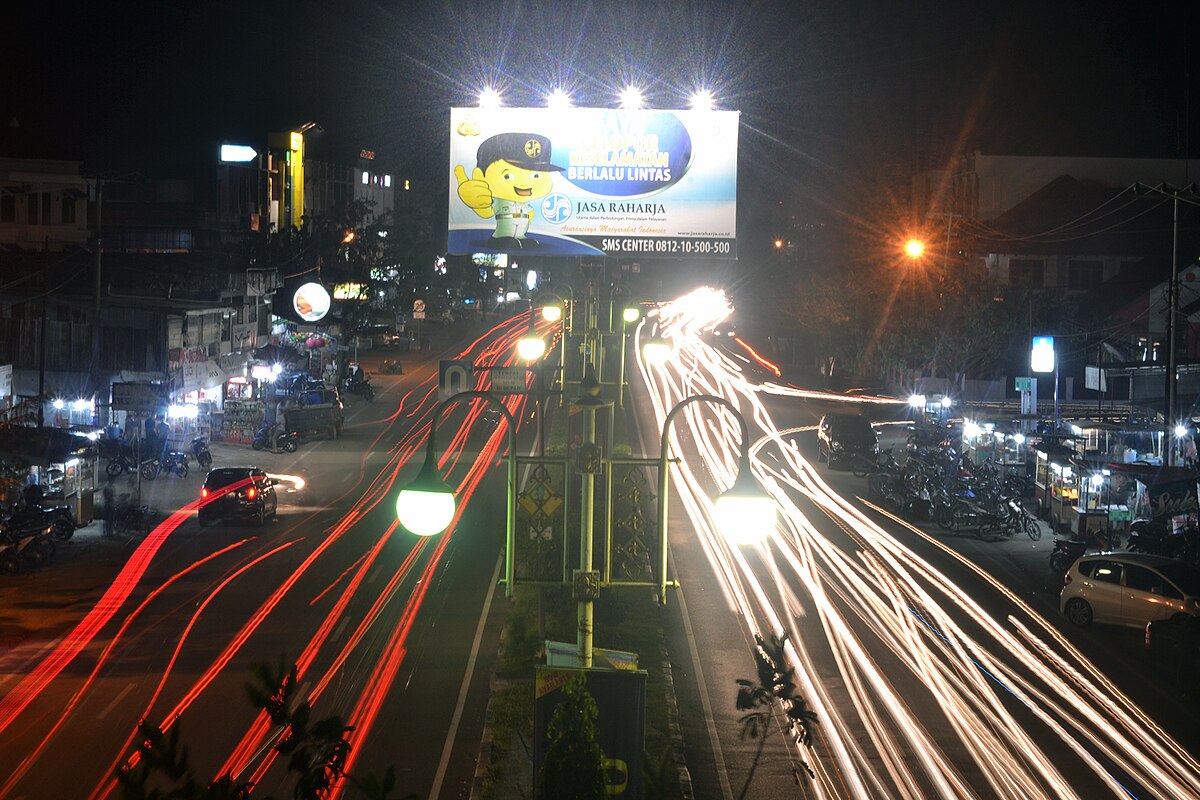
350,291
311,302
590,181
1041,357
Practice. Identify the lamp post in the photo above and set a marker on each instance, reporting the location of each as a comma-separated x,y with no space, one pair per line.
564,313
586,586
744,506
426,506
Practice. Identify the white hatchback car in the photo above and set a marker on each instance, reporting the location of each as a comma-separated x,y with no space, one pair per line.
1129,589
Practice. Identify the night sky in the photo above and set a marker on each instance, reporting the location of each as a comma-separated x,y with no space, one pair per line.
832,95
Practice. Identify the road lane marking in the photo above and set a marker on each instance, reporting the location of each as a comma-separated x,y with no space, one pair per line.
116,700
436,789
341,627
375,574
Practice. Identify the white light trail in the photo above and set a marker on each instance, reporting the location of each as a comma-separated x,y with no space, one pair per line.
996,689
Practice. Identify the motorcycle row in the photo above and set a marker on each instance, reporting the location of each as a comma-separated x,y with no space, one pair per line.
122,461
935,484
28,535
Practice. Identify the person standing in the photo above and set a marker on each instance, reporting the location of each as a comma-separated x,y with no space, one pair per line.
110,510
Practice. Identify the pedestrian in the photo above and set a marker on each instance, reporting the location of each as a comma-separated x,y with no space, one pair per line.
279,425
110,510
1189,451
163,433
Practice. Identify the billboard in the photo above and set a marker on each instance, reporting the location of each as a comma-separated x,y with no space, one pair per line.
593,182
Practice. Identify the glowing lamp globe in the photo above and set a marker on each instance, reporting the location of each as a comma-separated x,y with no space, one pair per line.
426,506
552,313
657,351
745,514
914,248
631,314
531,348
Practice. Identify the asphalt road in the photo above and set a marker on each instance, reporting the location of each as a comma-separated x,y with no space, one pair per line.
938,664
390,631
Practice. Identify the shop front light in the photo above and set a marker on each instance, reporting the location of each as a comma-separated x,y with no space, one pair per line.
58,404
81,405
1180,431
1019,438
947,402
916,400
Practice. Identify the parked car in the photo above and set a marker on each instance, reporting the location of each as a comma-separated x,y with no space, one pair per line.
841,438
245,492
1129,589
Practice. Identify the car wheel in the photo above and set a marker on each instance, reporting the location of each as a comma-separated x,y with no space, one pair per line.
1079,612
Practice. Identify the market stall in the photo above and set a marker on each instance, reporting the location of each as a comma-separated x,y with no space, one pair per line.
61,462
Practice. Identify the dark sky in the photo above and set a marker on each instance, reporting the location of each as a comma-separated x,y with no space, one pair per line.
831,93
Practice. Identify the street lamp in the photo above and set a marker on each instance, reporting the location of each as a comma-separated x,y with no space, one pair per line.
564,312
914,248
744,513
425,507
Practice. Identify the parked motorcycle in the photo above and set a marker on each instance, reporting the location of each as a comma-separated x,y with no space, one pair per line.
362,388
59,519
1066,551
121,463
288,441
33,544
391,366
174,462
200,451
955,511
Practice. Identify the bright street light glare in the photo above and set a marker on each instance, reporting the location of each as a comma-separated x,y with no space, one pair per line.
489,98
558,100
423,512
1180,431
631,314
914,248
916,400
531,348
702,100
631,98
552,313
657,351
744,519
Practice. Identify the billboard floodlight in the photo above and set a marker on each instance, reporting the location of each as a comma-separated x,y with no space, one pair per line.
631,98
702,100
489,98
558,99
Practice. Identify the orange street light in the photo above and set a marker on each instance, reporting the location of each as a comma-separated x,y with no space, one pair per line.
914,248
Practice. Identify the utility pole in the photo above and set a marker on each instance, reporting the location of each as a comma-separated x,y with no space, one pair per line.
41,417
96,311
1172,304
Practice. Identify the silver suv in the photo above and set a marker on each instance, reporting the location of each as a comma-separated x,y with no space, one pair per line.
1129,589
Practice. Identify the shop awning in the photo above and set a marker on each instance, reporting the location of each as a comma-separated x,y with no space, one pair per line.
22,447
